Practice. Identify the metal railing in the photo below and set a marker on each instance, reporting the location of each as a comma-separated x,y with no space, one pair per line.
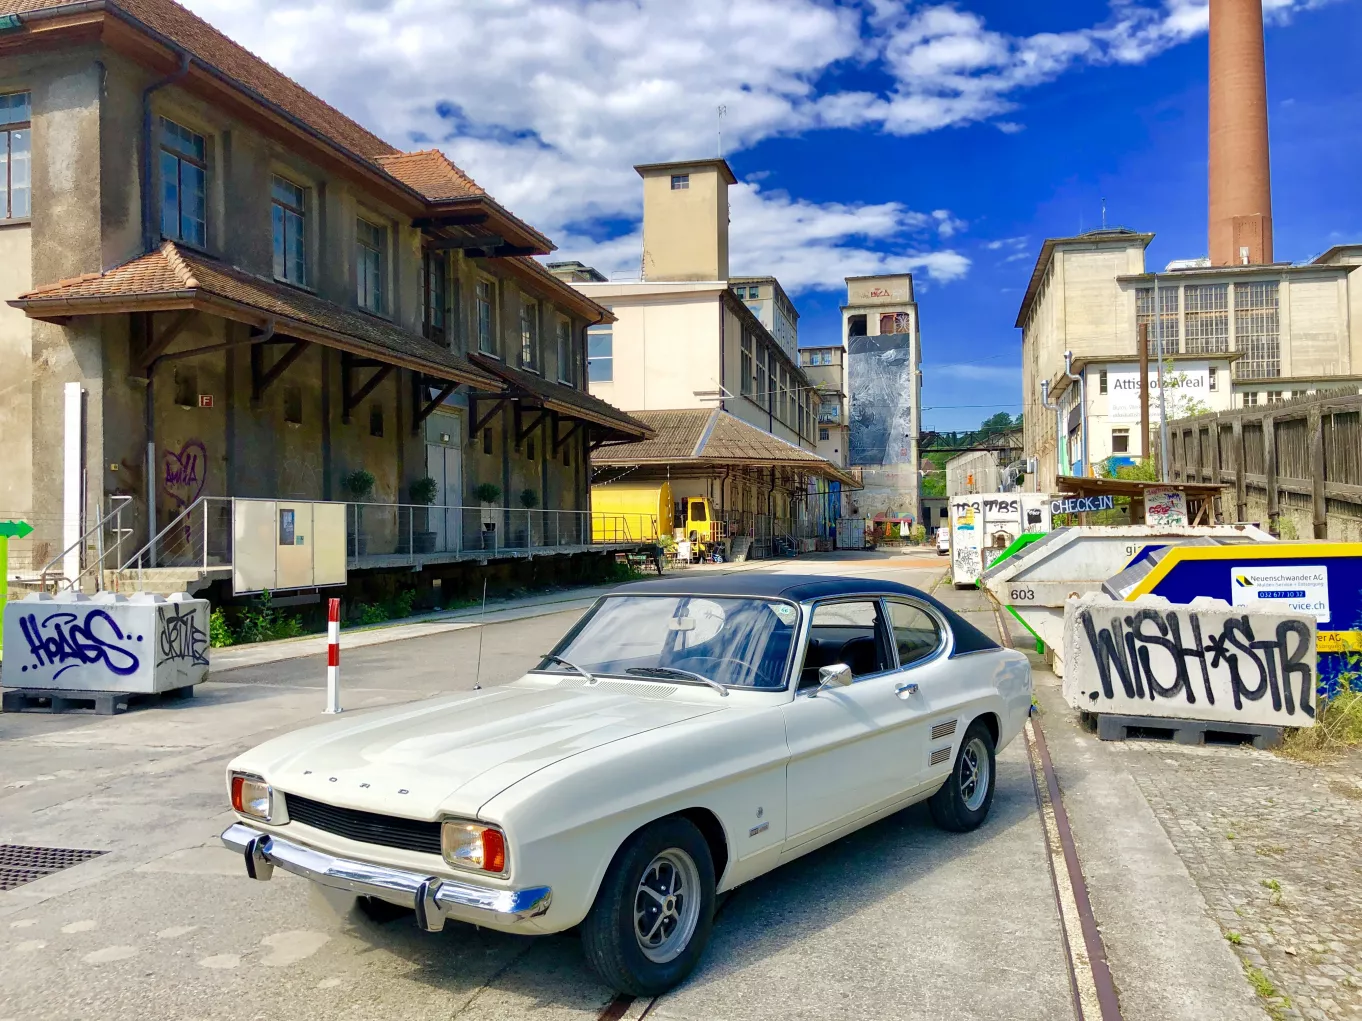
415,530
52,576
200,536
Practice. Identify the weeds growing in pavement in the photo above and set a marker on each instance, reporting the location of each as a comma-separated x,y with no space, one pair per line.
1277,1004
1338,721
1234,938
219,631
263,623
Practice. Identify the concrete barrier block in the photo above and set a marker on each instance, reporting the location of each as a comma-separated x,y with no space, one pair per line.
143,643
1199,661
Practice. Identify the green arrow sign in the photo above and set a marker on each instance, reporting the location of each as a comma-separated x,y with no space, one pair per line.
15,529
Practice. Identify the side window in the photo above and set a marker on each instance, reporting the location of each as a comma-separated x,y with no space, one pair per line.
852,632
916,633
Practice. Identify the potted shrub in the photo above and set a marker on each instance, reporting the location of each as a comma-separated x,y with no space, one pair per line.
529,499
360,485
422,493
488,494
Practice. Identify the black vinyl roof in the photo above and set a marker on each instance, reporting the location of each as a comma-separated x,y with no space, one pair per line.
805,587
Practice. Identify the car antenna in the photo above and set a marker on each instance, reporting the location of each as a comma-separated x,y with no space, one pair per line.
482,626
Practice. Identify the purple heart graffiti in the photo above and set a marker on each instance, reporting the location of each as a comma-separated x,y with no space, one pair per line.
185,472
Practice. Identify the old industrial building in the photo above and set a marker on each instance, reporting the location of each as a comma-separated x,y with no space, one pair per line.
218,286
1237,329
688,340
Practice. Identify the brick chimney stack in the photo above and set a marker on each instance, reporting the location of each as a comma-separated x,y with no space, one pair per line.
1240,182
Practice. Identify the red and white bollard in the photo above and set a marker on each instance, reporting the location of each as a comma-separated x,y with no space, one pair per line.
333,656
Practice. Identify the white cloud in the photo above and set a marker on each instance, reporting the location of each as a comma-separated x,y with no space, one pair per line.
549,103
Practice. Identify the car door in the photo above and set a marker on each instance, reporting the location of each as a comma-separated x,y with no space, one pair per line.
853,749
933,687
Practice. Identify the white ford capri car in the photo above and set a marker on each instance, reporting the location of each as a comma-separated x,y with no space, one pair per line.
685,737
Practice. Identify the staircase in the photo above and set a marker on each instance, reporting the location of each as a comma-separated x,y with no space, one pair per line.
164,581
740,547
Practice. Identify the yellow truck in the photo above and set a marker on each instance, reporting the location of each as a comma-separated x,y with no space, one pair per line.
646,512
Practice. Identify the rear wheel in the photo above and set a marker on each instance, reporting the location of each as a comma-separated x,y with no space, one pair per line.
963,801
654,910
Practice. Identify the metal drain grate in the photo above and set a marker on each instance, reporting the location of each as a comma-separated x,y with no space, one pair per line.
20,864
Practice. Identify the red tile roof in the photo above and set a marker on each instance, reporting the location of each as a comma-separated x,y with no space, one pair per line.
175,277
432,173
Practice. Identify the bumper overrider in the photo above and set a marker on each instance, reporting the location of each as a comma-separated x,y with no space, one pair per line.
434,899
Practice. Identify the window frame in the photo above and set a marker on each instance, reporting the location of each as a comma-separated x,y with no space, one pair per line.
299,212
486,330
380,272
8,129
945,637
530,358
562,339
680,182
181,158
430,259
606,331
884,633
1123,433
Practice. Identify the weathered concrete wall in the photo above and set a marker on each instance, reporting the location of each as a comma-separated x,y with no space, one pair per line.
1199,661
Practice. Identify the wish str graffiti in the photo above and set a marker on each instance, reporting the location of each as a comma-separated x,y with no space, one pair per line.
63,639
181,638
1168,655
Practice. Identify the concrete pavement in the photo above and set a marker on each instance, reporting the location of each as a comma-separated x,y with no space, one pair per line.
899,920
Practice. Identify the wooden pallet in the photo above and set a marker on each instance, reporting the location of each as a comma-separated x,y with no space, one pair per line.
1114,727
101,703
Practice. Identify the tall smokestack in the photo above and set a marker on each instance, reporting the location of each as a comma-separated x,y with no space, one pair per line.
1240,181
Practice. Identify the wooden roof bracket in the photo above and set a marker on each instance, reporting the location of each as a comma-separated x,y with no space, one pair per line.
261,378
421,409
560,441
351,399
479,423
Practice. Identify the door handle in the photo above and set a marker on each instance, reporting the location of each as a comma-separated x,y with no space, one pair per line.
906,690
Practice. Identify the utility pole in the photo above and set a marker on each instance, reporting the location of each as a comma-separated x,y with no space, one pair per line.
1144,390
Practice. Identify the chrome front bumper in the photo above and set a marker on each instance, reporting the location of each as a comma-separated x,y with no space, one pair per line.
432,898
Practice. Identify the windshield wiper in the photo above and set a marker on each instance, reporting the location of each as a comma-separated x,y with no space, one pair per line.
673,672
571,666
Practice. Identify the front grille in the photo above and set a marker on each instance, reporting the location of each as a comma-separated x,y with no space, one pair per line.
20,864
366,827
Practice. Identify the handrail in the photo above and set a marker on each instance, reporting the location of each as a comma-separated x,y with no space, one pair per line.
157,537
79,544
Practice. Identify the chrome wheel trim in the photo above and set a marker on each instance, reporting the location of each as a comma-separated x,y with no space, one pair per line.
974,774
667,905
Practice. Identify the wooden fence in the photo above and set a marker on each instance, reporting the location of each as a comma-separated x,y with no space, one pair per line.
1295,464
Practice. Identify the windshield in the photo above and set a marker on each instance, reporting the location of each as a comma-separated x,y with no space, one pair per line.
739,642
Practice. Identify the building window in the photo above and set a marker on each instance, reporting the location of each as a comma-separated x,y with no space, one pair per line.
822,434
290,241
184,175
567,455
762,394
15,157
895,322
1251,399
371,245
485,298
1274,397
600,354
1168,308
1207,310
487,441
529,449
1212,378
745,367
375,420
781,382
529,335
435,297
186,386
856,326
563,332
680,182
830,410
1256,331
293,404
1120,441
1102,381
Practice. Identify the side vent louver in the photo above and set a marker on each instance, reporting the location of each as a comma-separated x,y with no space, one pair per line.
943,730
940,755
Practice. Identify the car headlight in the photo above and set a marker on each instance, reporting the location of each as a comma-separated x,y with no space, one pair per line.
471,845
252,796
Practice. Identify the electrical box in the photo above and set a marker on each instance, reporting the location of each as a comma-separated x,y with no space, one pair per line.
279,545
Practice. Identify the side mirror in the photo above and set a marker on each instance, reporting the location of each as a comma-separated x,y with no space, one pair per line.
837,675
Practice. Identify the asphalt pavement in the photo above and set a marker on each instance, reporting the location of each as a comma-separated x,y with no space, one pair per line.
897,921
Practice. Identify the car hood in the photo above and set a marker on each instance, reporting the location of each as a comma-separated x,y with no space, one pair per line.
453,754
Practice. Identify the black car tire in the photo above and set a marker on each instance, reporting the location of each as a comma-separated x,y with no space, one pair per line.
958,806
608,934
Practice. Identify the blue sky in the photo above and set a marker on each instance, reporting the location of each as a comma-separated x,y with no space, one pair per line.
947,139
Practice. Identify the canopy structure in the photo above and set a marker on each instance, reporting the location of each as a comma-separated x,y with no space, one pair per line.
1200,496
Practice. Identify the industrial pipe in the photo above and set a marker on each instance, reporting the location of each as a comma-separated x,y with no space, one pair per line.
1059,425
1083,407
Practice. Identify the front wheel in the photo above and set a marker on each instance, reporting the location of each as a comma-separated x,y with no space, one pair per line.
963,801
654,911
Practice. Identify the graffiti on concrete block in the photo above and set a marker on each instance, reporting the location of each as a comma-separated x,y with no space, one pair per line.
181,638
1178,661
63,640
